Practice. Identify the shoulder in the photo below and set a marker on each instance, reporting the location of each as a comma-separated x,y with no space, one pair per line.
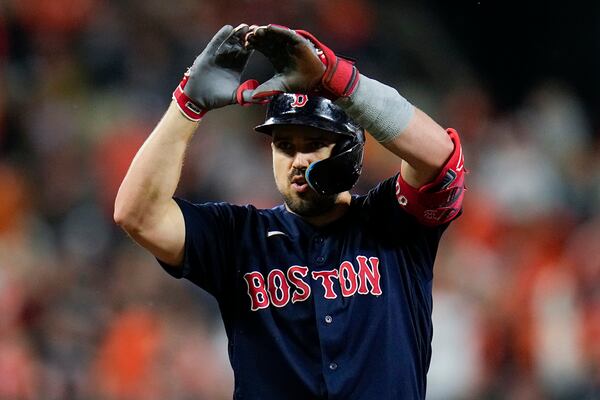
379,208
216,207
227,213
382,195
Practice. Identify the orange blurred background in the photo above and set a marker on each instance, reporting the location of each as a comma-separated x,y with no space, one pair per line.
86,314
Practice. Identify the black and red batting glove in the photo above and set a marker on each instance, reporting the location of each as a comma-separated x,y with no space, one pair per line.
214,80
302,64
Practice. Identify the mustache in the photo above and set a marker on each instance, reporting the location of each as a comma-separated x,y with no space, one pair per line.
296,172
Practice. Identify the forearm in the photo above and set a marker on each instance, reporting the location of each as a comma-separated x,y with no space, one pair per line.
424,147
211,82
152,178
403,129
378,108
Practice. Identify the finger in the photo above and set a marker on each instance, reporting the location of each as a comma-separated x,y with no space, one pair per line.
232,54
251,31
257,32
273,37
239,33
247,95
262,39
268,89
240,26
243,94
233,41
283,32
263,97
260,30
219,38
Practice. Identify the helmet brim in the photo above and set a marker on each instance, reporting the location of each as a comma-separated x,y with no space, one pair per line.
329,126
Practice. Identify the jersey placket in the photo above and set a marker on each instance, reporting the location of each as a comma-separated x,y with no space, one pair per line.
325,288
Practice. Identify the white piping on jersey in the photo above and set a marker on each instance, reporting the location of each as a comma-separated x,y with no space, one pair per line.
274,233
461,162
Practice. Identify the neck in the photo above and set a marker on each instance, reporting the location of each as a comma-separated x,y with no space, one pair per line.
340,208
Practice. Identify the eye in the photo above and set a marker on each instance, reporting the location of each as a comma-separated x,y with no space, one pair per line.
317,144
284,146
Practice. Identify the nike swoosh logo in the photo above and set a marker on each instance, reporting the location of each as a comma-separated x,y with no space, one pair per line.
275,233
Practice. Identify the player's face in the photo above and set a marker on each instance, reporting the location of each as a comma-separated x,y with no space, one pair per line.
294,149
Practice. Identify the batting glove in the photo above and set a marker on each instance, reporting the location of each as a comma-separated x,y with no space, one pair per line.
213,80
302,63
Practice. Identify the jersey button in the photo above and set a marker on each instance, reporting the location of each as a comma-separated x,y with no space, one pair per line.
318,240
328,319
333,366
320,260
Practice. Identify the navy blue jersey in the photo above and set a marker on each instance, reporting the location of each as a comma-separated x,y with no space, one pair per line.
335,312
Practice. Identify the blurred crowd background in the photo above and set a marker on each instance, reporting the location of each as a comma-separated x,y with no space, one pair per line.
86,314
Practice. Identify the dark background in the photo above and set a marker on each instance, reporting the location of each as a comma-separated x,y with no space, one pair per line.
514,46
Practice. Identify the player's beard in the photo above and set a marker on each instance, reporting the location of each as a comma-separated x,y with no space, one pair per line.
309,203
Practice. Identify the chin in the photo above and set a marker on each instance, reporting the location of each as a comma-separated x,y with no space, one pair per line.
310,204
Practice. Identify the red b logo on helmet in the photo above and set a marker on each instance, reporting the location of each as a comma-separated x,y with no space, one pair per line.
300,100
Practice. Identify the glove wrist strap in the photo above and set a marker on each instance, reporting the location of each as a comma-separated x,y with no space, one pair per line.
186,105
341,76
340,79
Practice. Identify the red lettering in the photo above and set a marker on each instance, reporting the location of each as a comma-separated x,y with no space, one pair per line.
282,286
278,285
295,275
326,281
256,290
368,274
348,277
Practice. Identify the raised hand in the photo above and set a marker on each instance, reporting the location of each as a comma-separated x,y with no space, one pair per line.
302,63
213,80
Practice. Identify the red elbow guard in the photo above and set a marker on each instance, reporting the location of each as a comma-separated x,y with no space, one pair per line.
440,201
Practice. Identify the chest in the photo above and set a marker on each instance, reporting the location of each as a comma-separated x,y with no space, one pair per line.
297,273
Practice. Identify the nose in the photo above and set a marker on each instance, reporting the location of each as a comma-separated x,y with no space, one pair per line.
301,160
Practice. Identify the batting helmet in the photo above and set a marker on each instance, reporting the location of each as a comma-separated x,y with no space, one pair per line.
341,170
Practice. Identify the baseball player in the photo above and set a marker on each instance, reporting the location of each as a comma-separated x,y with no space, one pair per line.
329,295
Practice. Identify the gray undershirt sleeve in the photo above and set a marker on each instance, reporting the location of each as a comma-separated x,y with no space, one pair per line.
378,108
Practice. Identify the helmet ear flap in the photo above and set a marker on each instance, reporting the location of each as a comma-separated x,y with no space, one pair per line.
338,173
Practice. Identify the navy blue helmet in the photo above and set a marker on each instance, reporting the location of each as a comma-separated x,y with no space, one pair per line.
341,170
